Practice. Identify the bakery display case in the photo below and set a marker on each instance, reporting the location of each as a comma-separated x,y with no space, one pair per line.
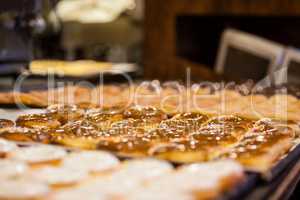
144,99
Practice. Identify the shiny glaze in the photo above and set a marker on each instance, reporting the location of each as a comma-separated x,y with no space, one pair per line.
147,113
262,137
43,120
65,113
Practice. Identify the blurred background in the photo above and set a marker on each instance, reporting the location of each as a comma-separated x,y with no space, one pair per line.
230,40
73,29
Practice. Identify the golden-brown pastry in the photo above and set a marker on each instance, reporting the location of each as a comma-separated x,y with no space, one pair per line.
7,98
25,134
38,121
204,142
39,155
65,113
68,68
262,145
145,113
29,100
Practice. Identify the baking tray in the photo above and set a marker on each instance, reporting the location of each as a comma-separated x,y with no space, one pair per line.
244,189
292,156
279,185
280,188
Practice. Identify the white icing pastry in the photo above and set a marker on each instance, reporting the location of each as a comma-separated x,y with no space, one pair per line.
90,161
39,153
217,169
55,175
12,168
185,182
7,146
79,194
149,194
132,174
201,177
22,189
145,169
113,186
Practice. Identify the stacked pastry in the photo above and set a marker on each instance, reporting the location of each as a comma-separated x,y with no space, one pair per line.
39,171
147,131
